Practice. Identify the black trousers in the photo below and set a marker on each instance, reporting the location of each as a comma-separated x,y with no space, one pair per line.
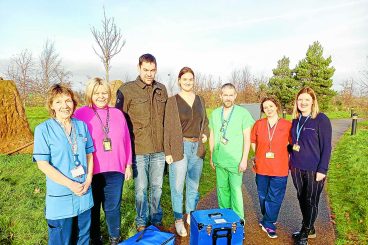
308,192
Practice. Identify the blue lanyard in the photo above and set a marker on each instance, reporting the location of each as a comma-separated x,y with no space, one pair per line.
225,123
72,140
299,128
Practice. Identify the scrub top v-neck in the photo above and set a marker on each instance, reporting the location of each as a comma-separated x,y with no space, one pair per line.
51,145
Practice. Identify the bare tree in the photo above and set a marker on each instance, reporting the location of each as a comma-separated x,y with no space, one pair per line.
50,66
64,76
347,93
260,82
109,40
50,71
241,78
21,70
171,84
364,80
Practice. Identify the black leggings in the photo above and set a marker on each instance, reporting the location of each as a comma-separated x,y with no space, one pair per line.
308,192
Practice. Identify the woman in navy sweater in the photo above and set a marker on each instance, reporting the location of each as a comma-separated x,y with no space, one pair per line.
310,156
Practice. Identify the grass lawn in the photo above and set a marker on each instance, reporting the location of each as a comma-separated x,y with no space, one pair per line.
23,194
330,114
338,114
347,189
36,115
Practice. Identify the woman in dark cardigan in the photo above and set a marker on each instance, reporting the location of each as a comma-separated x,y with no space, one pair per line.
185,132
309,159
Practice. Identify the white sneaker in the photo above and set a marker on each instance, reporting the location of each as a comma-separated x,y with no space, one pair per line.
188,219
180,229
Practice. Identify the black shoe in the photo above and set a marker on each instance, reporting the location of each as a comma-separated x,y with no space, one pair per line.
114,240
302,241
311,234
96,241
302,238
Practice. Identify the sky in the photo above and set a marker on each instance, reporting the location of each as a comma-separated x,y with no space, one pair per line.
211,37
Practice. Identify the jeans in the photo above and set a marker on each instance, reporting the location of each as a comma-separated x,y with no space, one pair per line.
271,192
107,190
187,170
74,230
148,171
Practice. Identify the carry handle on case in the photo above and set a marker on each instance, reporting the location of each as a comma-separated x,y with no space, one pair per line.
215,215
216,236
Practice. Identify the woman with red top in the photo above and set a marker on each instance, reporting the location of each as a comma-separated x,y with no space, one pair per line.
270,137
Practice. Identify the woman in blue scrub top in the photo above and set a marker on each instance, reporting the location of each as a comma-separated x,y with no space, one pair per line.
63,151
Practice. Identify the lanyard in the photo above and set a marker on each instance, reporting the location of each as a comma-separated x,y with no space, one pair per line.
270,137
299,128
72,138
225,123
105,128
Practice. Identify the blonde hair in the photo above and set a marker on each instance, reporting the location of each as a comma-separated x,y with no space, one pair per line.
56,90
315,108
93,84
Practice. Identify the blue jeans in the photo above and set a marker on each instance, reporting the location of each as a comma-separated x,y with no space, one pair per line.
187,170
271,192
107,190
74,230
148,171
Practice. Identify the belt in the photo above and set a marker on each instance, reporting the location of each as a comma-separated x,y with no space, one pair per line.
191,139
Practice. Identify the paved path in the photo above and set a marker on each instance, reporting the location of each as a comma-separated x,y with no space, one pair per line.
290,216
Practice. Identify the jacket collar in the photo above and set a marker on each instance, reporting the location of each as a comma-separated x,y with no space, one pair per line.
143,85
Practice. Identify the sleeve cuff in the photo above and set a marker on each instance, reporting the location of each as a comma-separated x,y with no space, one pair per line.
322,171
90,149
41,157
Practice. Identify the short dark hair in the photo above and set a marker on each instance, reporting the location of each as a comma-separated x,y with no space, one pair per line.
273,100
149,58
228,85
185,70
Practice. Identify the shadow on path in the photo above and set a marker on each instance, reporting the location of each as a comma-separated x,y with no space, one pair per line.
289,217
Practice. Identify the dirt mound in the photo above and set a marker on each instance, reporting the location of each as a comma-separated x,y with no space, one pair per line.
114,86
15,134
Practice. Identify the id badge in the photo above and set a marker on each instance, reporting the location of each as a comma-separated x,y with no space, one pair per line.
296,147
224,140
270,155
107,144
77,171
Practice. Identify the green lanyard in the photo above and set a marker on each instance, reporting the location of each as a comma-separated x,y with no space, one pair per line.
225,123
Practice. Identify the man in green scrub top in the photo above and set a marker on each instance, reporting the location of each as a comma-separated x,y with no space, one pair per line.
230,126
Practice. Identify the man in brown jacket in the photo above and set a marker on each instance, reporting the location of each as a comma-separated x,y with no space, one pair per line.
143,103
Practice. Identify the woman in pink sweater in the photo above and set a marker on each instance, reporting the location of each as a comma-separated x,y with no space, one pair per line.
112,158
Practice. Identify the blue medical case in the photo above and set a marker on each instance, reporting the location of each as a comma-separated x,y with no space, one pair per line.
150,236
216,226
